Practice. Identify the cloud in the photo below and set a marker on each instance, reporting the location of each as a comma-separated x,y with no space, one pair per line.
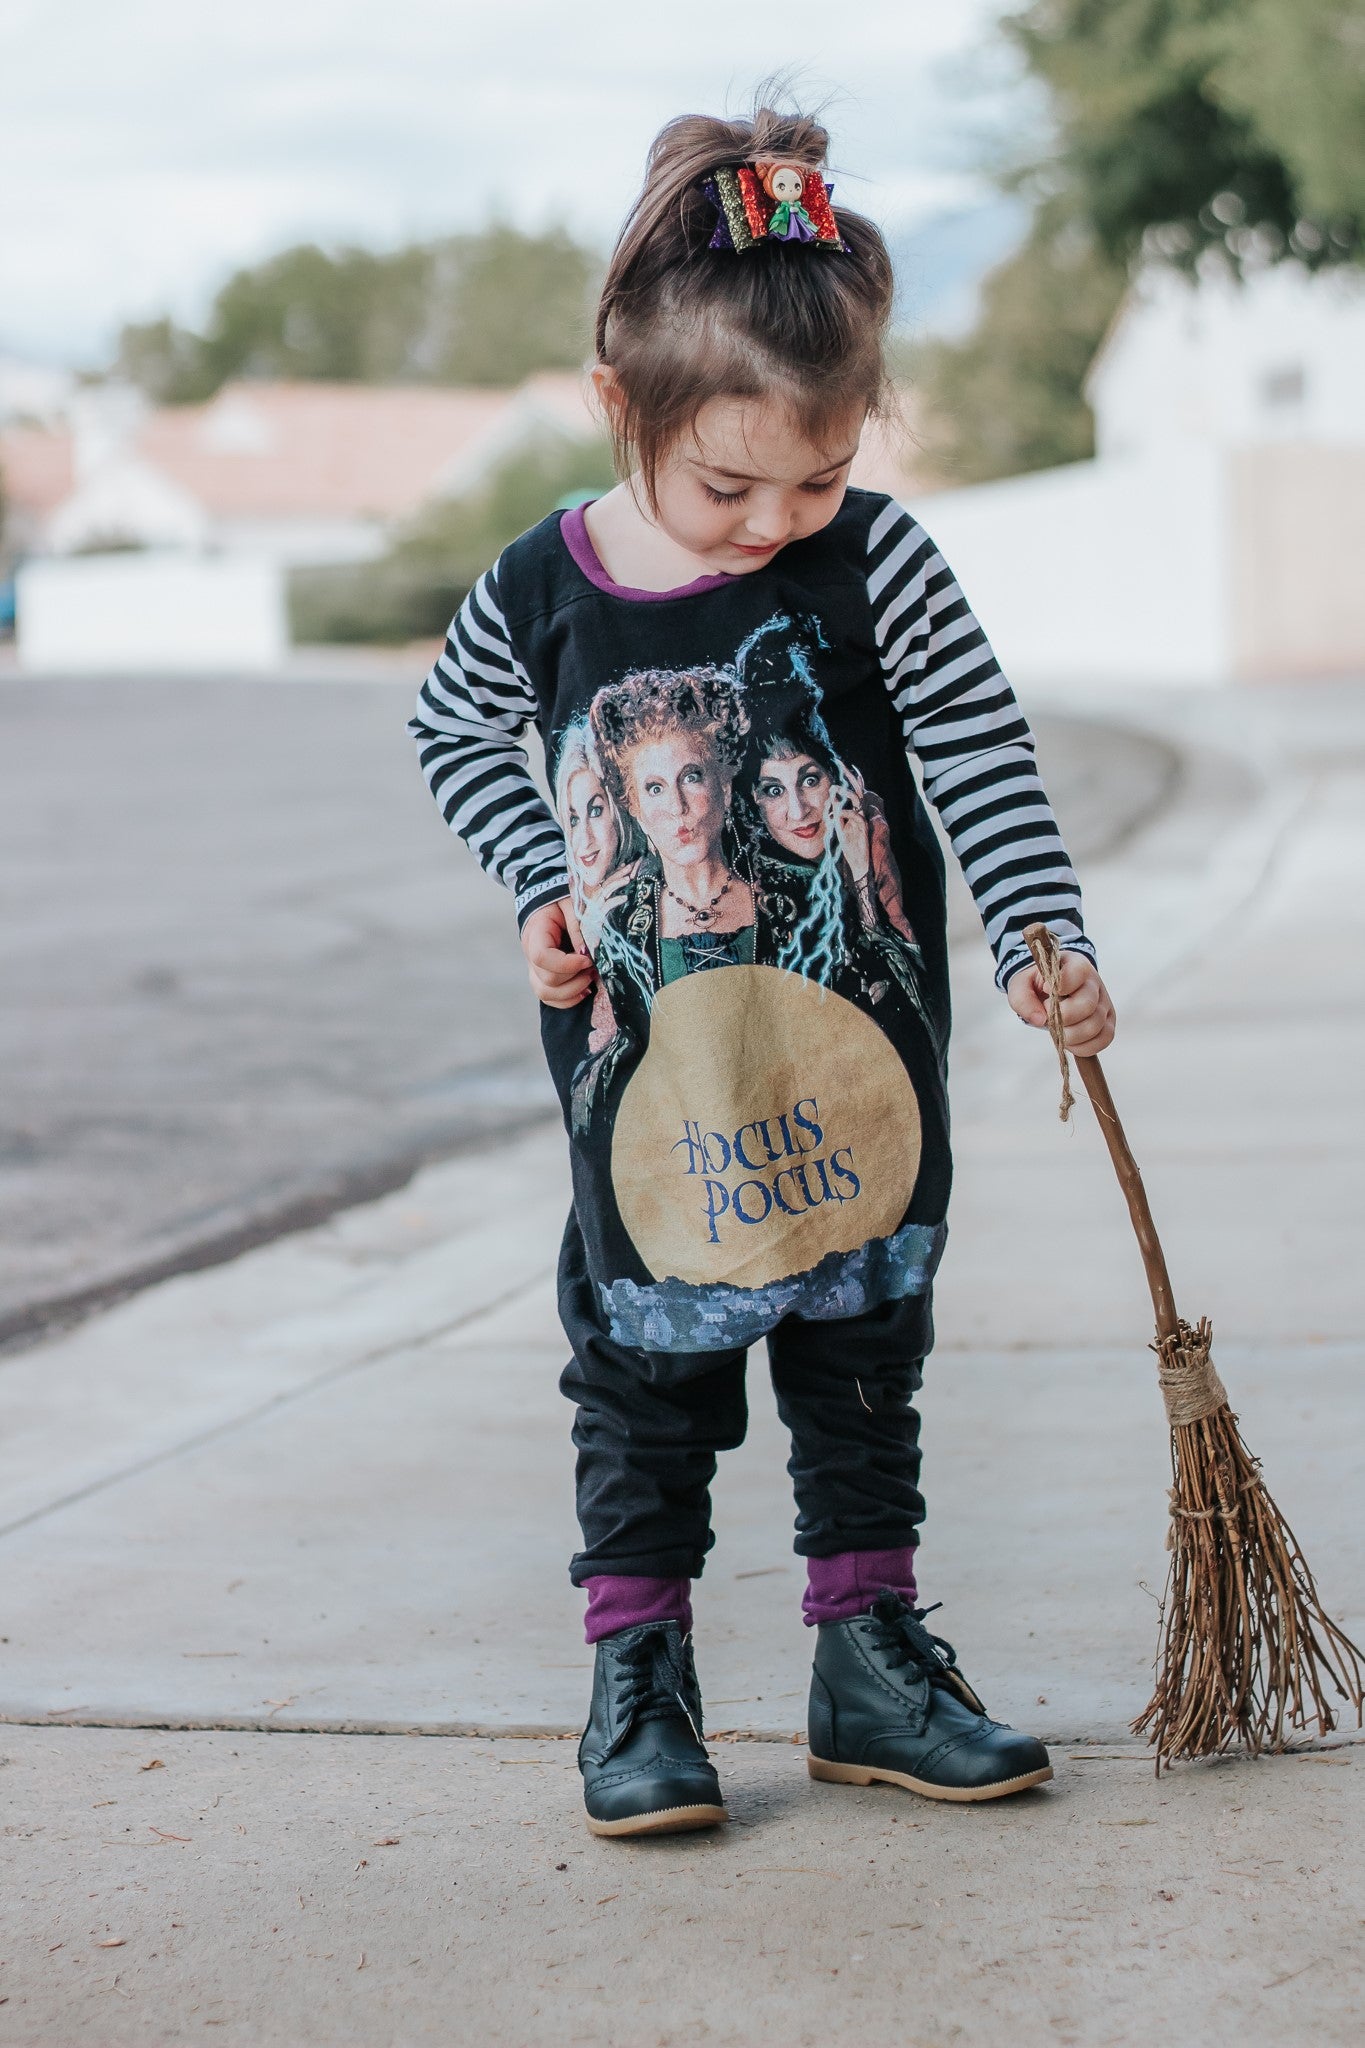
160,143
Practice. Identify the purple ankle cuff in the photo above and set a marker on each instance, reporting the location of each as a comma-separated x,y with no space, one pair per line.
838,1587
615,1603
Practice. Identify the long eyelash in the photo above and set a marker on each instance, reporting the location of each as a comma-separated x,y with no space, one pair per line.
828,485
724,497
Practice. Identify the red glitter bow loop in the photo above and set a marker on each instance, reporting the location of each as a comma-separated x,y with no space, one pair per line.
771,201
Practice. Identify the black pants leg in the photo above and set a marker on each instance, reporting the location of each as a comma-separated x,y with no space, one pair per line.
648,1430
650,1425
845,1390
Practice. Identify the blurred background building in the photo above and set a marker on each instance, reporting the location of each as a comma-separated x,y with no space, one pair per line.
1215,534
1130,405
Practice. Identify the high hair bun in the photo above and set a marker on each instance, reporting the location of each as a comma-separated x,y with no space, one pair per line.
680,323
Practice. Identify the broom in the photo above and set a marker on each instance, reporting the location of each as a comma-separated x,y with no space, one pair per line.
1246,1651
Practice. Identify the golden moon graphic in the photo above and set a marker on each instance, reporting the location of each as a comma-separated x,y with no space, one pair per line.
769,1123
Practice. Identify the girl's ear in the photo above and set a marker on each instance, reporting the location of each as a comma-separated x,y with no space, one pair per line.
606,390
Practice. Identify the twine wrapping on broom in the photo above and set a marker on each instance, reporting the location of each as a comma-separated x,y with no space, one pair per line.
1246,1649
1188,1378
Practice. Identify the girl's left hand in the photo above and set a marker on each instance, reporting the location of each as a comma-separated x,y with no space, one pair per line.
1087,1012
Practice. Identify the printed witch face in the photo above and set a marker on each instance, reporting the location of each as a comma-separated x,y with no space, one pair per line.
679,791
792,795
590,829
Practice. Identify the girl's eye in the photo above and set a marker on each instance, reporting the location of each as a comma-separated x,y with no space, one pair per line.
596,807
692,774
811,779
817,489
724,497
770,791
573,821
653,788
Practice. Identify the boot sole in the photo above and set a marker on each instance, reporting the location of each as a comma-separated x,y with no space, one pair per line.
967,1795
670,1820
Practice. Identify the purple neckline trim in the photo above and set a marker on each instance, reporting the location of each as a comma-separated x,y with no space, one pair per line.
574,527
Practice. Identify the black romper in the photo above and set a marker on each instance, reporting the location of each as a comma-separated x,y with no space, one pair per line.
755,1095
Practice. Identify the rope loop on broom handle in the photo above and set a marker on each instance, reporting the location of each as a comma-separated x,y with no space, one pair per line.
1047,954
1043,946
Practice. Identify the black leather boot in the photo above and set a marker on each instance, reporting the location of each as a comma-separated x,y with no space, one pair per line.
645,1771
888,1705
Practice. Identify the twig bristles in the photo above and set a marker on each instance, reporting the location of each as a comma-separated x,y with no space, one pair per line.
1248,1653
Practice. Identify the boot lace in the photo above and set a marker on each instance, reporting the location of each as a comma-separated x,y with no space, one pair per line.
902,1640
654,1679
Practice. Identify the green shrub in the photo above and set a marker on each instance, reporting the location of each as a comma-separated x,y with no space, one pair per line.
412,592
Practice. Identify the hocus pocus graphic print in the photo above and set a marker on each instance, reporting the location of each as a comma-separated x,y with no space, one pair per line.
760,1072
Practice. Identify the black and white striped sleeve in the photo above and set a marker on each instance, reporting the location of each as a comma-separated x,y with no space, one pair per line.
961,719
471,711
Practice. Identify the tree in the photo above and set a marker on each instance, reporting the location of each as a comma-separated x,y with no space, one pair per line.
1298,73
474,309
164,361
519,303
413,590
1008,397
1189,125
1183,129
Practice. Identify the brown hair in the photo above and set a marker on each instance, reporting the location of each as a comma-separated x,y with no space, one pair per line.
681,323
657,701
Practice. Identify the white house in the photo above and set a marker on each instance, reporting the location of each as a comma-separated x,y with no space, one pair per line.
1216,536
139,523
281,472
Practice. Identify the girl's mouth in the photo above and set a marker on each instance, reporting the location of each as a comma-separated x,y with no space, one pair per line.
770,549
805,831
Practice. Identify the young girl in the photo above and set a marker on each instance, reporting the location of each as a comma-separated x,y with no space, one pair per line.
749,1045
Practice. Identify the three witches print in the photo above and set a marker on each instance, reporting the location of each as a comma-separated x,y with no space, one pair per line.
710,823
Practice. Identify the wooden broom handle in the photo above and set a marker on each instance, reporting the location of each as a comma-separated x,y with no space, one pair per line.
1045,951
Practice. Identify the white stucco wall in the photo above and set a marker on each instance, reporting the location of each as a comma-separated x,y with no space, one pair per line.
1277,358
1101,573
101,614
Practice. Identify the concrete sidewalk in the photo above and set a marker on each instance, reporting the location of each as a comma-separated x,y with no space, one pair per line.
328,1487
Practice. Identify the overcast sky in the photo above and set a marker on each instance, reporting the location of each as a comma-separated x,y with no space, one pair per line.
147,147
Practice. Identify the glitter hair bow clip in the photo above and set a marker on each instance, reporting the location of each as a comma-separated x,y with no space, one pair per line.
770,201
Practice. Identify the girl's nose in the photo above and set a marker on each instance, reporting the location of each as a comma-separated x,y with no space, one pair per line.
768,527
795,807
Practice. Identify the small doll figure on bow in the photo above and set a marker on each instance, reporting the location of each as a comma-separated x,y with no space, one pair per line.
770,202
785,185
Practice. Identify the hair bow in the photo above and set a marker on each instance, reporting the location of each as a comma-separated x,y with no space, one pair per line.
770,202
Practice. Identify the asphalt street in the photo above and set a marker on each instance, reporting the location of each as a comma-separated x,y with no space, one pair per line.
249,978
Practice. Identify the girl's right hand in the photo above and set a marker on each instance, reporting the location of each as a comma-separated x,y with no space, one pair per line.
557,960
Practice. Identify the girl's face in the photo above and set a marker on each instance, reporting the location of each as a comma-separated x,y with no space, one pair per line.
745,482
792,794
680,793
590,830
